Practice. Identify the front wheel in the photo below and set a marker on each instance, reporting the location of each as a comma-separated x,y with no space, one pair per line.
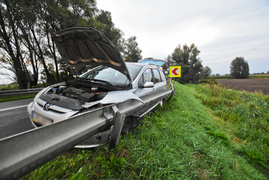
127,126
130,124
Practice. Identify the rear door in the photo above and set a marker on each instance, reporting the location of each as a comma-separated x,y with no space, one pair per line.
159,80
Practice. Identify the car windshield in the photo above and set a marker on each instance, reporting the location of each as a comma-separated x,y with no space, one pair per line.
133,70
114,77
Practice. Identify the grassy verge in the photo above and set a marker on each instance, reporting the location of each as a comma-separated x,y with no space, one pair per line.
259,76
16,97
14,86
243,117
9,86
182,140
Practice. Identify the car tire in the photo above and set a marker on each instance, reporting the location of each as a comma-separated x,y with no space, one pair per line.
171,95
127,126
135,122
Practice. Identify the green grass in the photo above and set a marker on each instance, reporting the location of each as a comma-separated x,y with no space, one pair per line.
16,97
243,116
14,86
9,86
185,139
258,76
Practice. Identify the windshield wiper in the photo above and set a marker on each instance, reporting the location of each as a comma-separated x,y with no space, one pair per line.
100,82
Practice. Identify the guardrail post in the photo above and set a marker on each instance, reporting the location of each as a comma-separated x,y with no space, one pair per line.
116,132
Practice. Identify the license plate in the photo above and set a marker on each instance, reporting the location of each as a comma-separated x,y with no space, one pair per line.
40,119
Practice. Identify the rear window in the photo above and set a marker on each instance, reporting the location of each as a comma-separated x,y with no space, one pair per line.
157,75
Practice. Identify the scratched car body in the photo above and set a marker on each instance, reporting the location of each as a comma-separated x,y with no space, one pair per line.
104,79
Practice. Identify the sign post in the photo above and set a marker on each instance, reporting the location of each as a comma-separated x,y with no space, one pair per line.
175,71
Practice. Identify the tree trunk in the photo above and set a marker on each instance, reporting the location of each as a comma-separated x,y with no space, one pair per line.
52,51
41,57
14,54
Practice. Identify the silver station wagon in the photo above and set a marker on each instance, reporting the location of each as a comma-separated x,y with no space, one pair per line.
104,79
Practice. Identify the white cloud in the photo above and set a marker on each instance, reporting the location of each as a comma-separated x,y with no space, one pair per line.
222,29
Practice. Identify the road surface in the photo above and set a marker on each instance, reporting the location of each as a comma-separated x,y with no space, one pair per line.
14,117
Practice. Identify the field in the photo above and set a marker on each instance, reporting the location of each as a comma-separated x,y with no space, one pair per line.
204,132
251,85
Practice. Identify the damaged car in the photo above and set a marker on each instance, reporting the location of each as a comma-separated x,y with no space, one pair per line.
102,79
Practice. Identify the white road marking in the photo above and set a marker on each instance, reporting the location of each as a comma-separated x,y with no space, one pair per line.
16,107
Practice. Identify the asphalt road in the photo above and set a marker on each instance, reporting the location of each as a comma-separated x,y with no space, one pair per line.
14,118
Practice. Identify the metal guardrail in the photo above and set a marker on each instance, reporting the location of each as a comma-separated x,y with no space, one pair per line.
19,91
22,153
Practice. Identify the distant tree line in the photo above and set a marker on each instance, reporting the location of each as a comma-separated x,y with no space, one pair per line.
26,29
262,73
192,70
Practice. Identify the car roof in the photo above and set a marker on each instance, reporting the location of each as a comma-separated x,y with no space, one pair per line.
135,63
142,64
153,59
158,62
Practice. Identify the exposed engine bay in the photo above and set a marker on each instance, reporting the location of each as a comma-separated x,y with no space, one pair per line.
73,97
83,94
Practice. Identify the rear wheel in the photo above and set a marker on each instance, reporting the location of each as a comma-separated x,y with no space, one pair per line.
170,96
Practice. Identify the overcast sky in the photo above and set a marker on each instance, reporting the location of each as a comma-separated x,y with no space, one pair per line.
221,29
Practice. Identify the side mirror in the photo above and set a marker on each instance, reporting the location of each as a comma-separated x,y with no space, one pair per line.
148,85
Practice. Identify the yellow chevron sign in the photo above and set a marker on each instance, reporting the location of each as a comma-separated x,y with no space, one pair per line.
175,71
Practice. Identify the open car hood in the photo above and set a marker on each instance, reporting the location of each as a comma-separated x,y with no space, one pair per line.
81,47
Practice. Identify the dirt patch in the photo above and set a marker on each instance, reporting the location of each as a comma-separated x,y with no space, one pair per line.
251,85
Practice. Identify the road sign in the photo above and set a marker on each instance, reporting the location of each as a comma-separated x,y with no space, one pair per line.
175,71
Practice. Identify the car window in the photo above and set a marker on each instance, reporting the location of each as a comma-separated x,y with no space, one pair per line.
146,77
162,76
157,75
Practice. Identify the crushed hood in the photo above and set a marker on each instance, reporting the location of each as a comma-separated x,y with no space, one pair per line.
81,47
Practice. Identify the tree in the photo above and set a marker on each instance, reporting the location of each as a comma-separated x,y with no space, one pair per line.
206,72
239,68
169,60
26,29
6,69
11,40
103,23
191,66
132,53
